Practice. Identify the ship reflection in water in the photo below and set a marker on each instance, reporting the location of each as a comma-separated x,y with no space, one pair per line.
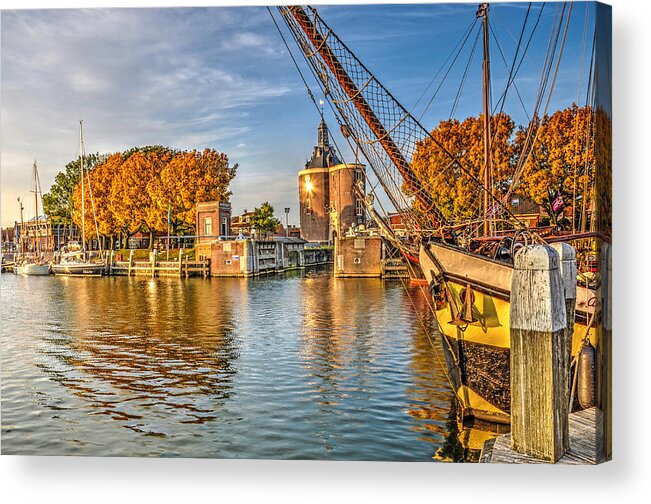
307,367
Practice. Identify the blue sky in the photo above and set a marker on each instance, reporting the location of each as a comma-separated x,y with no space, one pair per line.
221,78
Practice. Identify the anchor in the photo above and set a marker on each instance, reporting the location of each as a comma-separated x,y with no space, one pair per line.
465,316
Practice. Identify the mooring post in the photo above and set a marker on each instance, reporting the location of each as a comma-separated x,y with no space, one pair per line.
110,263
539,377
180,262
152,256
568,267
131,251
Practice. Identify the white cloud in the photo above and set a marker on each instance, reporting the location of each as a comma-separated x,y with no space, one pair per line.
188,78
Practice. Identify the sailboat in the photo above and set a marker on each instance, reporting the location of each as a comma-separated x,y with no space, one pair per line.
35,265
77,262
469,278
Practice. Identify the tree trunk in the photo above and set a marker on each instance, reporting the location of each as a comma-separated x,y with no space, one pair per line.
151,240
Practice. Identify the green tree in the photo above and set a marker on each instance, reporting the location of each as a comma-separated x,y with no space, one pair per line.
263,220
58,203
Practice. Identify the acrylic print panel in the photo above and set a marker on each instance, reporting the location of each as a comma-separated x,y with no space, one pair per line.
352,232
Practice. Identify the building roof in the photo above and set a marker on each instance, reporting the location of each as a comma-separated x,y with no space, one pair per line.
520,205
324,154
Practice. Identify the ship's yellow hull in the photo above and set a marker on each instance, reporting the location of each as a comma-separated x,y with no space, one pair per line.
477,347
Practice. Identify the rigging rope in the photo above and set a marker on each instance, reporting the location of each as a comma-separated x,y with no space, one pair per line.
465,75
528,150
436,91
381,101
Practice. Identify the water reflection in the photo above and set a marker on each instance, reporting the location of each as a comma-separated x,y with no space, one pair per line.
158,344
305,366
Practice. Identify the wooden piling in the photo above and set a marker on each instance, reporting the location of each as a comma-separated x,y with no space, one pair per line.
130,261
568,268
538,367
152,258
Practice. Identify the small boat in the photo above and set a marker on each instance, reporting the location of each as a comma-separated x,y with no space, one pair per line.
76,262
78,268
33,269
34,265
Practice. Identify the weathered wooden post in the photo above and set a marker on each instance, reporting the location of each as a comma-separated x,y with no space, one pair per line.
131,261
539,409
111,262
152,260
567,256
180,262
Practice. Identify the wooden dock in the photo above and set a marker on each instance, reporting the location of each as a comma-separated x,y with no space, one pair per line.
182,268
583,446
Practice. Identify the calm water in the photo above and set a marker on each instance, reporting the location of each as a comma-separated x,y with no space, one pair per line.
307,367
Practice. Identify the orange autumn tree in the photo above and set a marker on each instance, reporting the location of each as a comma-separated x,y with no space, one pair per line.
189,178
88,219
132,191
561,160
97,186
129,198
454,191
603,176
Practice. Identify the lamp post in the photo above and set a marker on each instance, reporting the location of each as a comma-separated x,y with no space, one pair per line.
286,221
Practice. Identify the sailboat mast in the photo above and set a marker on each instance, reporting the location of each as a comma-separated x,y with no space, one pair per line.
37,244
488,178
83,209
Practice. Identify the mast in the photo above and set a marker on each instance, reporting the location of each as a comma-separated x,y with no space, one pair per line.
22,229
482,12
37,244
83,209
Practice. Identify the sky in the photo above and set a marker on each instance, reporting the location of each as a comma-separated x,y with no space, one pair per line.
221,78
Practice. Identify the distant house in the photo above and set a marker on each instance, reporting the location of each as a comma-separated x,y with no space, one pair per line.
34,235
525,210
9,239
294,231
395,223
241,224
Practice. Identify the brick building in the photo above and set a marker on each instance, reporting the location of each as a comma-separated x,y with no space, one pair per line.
241,224
328,203
213,220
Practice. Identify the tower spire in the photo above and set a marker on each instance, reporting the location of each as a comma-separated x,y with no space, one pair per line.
323,142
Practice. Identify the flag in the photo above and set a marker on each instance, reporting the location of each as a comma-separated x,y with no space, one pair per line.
557,204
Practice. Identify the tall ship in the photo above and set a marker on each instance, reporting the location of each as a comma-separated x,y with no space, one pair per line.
464,249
